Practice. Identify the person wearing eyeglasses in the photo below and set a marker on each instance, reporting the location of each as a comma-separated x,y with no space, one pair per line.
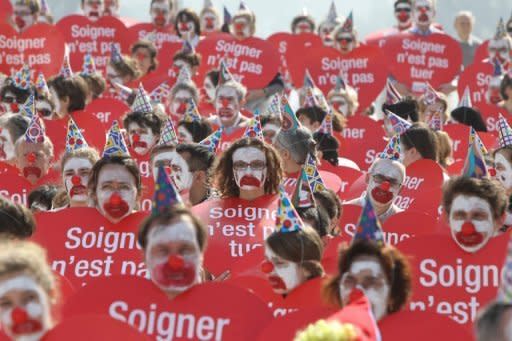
345,37
403,16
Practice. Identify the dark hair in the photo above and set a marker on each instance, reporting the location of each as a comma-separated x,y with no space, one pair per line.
43,194
33,5
15,219
330,202
489,325
96,84
201,158
192,59
20,94
487,189
505,83
421,137
409,2
188,14
470,117
214,76
198,129
328,145
127,66
130,165
169,2
316,218
144,119
395,265
152,52
314,114
170,214
299,18
17,126
75,88
406,108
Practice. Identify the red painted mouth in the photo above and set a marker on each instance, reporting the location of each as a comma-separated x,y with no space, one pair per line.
174,273
2,153
94,14
381,196
140,144
159,21
77,190
423,17
23,324
20,22
403,16
116,207
276,283
248,180
469,236
35,171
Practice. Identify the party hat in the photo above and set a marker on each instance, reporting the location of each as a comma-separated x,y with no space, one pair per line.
474,165
41,85
224,74
309,98
505,290
35,132
254,127
368,227
88,67
212,141
160,93
326,126
431,96
115,54
274,107
501,31
44,8
22,78
436,121
74,138
308,80
340,83
243,6
498,68
29,107
392,150
348,25
165,195
504,131
115,145
400,125
287,218
332,16
302,196
184,76
187,48
465,100
290,121
192,112
65,70
314,180
142,102
392,94
168,136
124,92
227,17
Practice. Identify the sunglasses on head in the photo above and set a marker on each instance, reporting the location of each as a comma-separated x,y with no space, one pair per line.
408,10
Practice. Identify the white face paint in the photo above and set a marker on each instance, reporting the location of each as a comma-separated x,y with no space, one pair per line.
285,275
56,100
209,88
178,168
179,102
241,27
23,18
340,104
116,192
141,139
227,105
209,22
75,176
345,42
503,171
368,270
403,15
23,295
44,109
184,136
246,177
423,13
471,222
173,256
270,132
499,49
303,26
6,145
93,9
377,191
186,29
160,13
325,31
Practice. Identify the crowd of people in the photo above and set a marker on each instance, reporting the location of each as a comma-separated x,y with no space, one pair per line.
289,194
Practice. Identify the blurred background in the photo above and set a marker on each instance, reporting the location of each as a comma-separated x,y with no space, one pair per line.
369,15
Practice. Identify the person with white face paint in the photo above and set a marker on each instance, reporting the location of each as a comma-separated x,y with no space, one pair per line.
243,24
403,17
161,13
210,20
229,100
500,46
248,169
93,9
111,7
475,210
173,243
381,272
27,291
25,14
292,258
179,97
115,187
327,27
423,13
343,101
303,23
143,131
187,26
76,168
270,126
345,37
12,127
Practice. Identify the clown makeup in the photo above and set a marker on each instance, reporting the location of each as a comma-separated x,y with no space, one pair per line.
178,168
186,29
345,42
179,102
423,13
503,171
143,58
141,139
179,63
241,27
24,308
270,132
209,22
116,192
403,15
111,8
471,222
75,175
283,275
500,50
9,103
44,109
23,17
173,256
227,105
493,93
325,31
209,88
303,26
93,9
33,161
184,136
431,109
6,145
340,104
366,272
249,168
384,183
160,13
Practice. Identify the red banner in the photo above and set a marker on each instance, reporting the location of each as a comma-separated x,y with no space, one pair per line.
161,35
107,110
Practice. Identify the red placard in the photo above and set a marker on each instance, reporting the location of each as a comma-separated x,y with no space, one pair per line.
41,47
459,134
165,70
451,282
252,61
6,10
415,60
481,52
206,311
107,110
347,176
162,35
84,36
15,187
90,247
235,227
365,69
477,77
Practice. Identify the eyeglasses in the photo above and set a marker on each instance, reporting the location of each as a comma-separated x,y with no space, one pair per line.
407,10
348,40
254,165
378,178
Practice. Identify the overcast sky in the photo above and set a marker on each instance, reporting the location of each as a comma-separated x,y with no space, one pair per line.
369,15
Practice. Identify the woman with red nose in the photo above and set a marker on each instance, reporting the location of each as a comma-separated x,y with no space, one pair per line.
173,241
26,14
293,252
187,26
209,18
27,291
248,169
243,24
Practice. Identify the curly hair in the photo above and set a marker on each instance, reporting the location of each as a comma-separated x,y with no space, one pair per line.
224,178
396,268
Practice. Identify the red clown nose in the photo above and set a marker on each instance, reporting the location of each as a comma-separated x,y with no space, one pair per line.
136,137
225,102
468,228
175,263
19,315
76,180
385,186
267,267
115,199
31,157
